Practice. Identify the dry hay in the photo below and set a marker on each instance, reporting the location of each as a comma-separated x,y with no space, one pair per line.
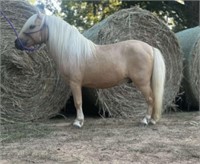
135,23
31,88
190,44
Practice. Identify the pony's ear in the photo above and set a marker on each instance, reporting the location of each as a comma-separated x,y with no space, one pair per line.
39,14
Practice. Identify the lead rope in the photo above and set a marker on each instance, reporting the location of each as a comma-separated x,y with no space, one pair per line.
12,26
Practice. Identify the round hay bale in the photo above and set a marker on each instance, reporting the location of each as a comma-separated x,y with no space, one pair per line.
190,44
31,87
135,23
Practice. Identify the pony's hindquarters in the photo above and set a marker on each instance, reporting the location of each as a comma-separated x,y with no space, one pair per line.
158,82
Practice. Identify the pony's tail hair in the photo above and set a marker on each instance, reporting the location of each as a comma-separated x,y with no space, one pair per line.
158,82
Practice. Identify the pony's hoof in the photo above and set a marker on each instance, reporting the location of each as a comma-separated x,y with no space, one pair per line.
144,121
152,121
78,123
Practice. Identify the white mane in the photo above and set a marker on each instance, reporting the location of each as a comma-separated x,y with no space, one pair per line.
66,43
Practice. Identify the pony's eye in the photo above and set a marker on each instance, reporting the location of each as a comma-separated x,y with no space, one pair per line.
32,27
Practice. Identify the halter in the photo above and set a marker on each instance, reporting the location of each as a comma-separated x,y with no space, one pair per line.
29,33
12,26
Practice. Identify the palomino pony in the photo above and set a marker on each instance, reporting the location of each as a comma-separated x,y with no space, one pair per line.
83,63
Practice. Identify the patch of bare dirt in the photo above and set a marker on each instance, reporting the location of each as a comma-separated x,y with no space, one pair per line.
175,139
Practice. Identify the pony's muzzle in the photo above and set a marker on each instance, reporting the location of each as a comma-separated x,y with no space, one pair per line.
18,44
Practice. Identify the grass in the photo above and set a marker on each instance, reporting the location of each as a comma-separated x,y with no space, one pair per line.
18,131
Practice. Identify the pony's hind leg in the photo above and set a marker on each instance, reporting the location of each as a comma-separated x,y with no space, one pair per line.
148,94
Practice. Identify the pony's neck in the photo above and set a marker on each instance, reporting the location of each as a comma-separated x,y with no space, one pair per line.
66,43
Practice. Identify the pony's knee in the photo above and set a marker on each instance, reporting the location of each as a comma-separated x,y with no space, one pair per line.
78,104
150,100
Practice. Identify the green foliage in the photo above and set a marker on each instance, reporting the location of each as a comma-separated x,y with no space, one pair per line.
84,13
183,15
31,1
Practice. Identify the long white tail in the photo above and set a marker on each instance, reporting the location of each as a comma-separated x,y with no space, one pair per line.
158,82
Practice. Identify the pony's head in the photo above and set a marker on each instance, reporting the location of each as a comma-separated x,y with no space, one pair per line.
34,32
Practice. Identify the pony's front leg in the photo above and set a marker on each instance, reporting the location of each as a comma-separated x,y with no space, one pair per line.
77,95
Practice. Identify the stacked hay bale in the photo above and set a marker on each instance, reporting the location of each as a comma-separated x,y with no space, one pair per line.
31,87
190,44
135,23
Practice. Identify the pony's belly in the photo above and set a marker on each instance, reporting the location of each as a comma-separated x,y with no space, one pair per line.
102,84
105,73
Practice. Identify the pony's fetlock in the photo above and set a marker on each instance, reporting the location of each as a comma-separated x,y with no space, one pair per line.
78,123
144,121
147,119
152,121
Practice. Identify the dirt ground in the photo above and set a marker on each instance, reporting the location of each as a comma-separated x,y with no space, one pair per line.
176,139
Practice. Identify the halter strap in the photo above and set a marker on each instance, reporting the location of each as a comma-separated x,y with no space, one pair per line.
12,26
28,33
